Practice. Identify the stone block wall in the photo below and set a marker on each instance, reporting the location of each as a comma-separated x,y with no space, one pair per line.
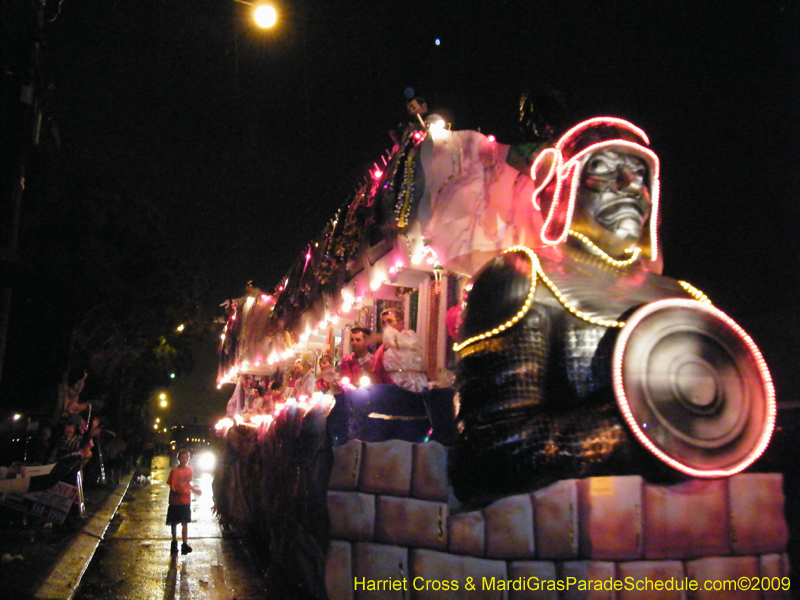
393,535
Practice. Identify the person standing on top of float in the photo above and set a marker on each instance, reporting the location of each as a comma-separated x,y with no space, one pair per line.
417,109
358,363
420,118
398,360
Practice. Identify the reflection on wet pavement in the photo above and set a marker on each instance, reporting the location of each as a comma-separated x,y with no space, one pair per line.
134,561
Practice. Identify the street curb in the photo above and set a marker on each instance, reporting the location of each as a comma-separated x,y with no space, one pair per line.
65,576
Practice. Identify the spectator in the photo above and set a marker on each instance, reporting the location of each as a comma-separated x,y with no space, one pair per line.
115,452
40,450
70,444
180,498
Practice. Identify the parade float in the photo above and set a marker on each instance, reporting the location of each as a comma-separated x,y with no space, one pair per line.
605,413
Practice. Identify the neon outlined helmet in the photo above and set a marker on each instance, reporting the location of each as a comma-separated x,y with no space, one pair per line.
556,175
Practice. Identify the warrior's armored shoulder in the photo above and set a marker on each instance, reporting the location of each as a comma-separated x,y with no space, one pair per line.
502,294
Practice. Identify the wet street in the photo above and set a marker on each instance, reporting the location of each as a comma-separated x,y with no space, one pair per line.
134,562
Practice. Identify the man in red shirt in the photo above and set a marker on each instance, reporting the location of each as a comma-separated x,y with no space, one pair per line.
358,363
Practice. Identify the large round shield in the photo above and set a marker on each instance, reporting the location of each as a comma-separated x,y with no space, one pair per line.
693,387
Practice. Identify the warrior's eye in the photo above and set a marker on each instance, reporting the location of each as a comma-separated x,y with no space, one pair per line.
638,168
600,166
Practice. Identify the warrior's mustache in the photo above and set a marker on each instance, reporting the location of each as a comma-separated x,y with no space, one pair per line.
631,205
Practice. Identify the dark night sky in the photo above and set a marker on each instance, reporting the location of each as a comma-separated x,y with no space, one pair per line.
250,140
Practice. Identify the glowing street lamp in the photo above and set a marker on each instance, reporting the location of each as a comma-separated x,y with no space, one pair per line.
163,397
265,16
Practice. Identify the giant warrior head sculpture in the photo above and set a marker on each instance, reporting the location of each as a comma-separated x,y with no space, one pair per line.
600,181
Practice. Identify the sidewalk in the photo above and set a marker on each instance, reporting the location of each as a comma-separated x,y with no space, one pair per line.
48,563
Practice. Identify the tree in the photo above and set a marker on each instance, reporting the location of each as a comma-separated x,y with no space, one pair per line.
103,271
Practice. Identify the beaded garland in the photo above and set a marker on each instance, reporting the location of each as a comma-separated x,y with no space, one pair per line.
600,253
402,208
366,318
405,158
694,292
413,310
521,313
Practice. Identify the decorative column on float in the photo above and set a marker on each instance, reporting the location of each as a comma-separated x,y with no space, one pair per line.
423,321
431,326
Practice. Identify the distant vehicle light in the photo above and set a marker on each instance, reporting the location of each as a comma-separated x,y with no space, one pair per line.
206,461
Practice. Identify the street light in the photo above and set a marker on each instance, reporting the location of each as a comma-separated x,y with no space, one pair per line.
163,397
265,16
